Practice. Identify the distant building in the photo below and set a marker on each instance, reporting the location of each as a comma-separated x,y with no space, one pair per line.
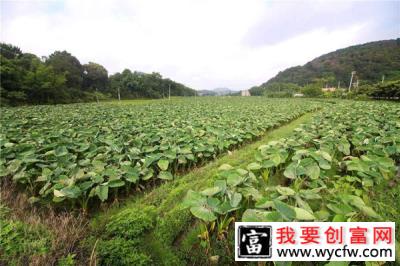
331,89
245,93
298,95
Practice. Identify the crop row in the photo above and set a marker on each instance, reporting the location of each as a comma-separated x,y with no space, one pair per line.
326,171
81,152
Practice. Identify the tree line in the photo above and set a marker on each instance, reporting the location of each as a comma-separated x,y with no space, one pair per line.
380,90
61,78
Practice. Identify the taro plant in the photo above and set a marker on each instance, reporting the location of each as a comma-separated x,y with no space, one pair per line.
84,153
325,172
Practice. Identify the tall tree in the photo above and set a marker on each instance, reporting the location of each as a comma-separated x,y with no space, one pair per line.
10,51
10,71
65,63
44,85
95,76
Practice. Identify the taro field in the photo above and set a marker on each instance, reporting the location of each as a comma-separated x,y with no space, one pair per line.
76,153
177,174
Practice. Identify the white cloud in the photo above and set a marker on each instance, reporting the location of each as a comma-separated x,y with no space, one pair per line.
199,43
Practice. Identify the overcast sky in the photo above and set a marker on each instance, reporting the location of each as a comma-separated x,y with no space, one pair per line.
202,43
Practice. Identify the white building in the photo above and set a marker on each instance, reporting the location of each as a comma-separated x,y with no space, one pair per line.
245,93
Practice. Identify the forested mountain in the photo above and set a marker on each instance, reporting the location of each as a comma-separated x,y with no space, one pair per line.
371,61
216,92
223,91
61,78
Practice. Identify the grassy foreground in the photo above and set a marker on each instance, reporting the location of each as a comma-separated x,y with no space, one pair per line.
154,225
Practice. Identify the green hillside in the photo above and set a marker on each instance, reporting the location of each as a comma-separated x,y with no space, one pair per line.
370,60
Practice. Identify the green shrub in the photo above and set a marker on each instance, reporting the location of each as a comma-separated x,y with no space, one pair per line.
68,260
387,89
119,252
170,225
131,223
19,241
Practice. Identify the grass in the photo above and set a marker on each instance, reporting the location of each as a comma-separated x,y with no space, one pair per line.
22,243
169,221
34,235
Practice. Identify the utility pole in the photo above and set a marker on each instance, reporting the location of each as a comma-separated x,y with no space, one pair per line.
338,85
119,95
383,78
169,92
351,79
